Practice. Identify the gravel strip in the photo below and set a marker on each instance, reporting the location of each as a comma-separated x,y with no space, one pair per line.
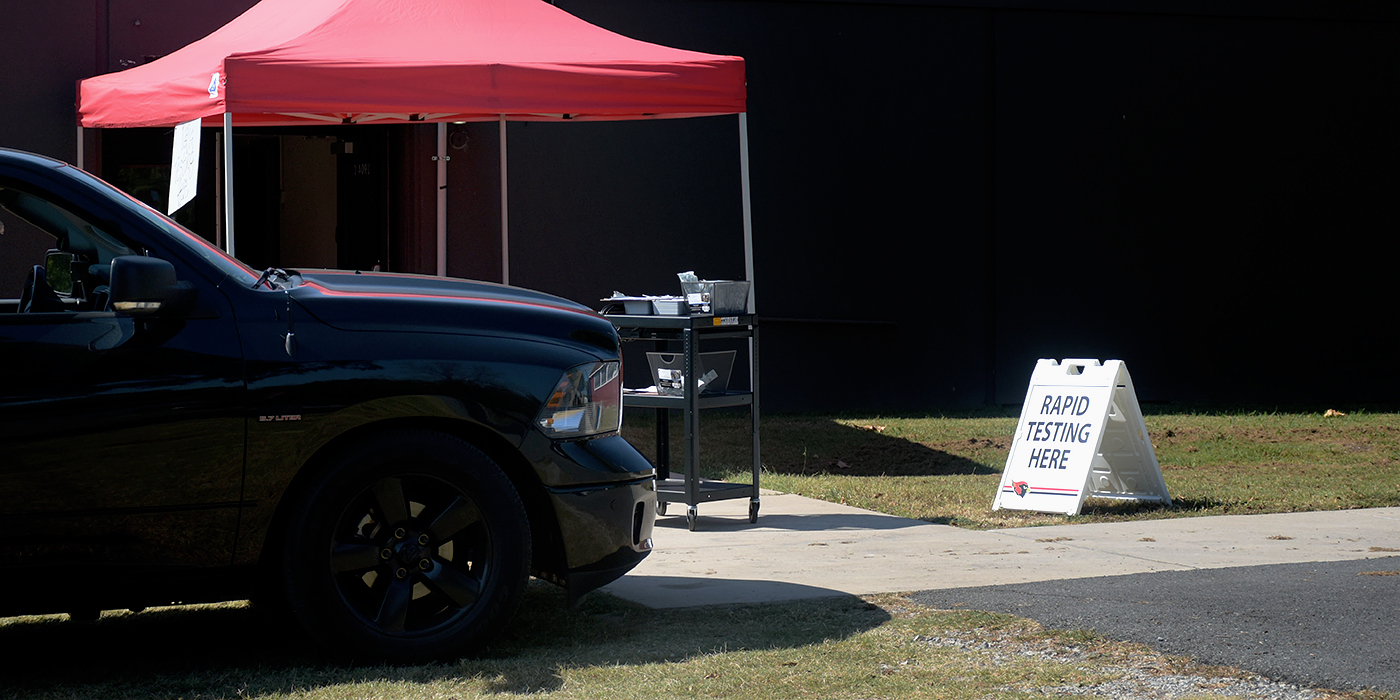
1142,682
1136,683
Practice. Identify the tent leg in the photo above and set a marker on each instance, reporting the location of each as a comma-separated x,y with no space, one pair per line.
218,188
228,183
505,211
748,216
442,199
79,160
748,271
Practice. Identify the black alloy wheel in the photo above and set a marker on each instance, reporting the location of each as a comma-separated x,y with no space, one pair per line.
410,554
412,547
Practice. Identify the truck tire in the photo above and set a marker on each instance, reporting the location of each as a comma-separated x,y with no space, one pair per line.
410,546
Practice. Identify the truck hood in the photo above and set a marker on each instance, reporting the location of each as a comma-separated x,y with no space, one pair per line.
379,301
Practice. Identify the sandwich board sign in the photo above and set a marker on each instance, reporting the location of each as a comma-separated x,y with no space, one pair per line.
1081,434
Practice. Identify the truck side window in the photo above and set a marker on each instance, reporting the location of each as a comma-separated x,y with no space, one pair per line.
57,259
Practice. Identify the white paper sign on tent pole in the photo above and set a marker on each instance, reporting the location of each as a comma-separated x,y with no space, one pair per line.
184,165
1081,434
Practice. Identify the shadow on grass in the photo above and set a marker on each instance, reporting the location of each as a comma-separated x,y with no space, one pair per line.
236,652
1105,507
810,445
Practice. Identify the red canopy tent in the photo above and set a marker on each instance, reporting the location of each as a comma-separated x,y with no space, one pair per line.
297,62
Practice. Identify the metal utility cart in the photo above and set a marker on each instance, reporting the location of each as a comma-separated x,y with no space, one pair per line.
690,332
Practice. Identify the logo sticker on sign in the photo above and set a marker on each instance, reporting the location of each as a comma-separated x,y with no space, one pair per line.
1081,434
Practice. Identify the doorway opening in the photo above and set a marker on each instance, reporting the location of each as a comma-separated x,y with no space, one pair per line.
305,197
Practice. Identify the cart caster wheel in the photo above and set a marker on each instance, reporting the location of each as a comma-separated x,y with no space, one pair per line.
690,515
753,511
660,507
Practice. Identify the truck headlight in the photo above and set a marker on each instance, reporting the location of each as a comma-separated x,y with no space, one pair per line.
586,401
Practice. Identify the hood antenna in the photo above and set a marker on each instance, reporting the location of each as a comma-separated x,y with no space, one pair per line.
289,340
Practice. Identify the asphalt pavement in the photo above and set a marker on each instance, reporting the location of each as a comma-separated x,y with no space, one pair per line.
1324,624
1308,598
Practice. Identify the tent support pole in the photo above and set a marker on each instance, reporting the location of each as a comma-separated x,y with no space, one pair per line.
748,217
218,188
748,271
441,199
80,154
228,183
505,211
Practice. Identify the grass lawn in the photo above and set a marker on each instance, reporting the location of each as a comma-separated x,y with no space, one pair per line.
945,469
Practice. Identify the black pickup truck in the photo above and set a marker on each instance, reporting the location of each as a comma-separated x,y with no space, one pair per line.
387,457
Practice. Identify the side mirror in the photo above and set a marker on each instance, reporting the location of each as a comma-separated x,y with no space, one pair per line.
58,266
142,286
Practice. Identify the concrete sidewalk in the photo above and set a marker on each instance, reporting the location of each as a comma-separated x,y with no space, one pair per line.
805,548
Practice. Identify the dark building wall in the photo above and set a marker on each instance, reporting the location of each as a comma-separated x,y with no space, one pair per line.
47,48
39,70
474,201
142,30
1201,196
868,179
951,193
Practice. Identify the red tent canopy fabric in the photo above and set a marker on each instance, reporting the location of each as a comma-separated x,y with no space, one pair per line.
290,62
